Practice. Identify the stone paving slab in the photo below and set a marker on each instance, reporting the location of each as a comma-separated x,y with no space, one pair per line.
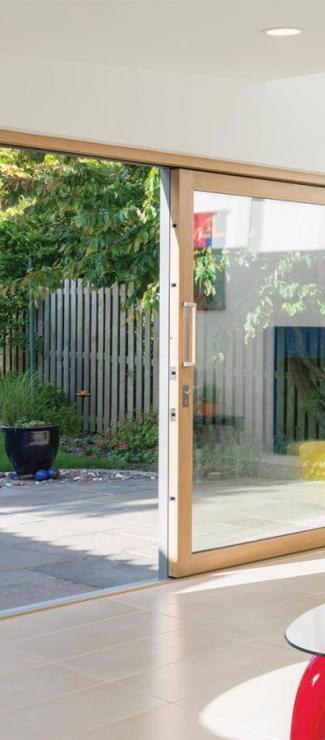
99,535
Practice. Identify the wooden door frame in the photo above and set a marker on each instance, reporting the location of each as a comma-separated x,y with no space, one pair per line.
156,157
182,561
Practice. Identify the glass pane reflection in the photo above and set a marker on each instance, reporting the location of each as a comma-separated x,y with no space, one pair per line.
259,396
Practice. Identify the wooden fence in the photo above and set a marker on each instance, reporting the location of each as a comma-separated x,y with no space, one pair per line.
92,341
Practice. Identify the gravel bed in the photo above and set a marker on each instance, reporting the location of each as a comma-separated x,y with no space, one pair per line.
78,476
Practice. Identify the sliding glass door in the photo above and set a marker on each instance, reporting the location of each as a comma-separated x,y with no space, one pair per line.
247,377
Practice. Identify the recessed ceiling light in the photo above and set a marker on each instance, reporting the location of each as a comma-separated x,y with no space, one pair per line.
282,31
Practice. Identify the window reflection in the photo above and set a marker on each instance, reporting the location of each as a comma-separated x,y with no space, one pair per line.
259,405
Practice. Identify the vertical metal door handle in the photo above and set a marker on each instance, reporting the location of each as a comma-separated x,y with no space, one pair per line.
190,309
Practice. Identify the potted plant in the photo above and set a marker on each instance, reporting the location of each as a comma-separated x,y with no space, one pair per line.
32,416
208,399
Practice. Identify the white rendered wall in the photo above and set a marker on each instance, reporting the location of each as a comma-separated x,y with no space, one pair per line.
277,123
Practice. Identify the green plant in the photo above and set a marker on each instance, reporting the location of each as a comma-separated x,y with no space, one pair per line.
206,268
32,423
132,444
25,401
137,434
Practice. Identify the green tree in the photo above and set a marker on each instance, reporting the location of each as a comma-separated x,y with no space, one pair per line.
77,218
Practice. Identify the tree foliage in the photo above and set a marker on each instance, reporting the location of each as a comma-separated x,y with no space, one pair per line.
76,218
99,221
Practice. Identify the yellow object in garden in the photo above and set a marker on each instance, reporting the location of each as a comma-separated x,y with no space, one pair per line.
312,456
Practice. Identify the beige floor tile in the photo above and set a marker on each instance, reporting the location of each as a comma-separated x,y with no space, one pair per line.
254,698
264,705
74,712
132,658
167,722
271,622
150,598
101,634
221,669
51,620
45,682
17,657
203,604
128,659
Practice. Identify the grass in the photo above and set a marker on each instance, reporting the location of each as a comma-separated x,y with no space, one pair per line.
63,460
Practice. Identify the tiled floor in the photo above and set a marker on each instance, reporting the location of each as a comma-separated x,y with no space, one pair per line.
190,660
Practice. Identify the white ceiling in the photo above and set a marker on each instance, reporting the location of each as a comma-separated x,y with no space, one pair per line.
207,37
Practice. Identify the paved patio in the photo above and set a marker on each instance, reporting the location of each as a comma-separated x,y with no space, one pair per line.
63,539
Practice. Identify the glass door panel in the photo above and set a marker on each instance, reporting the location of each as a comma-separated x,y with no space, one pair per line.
259,381
246,473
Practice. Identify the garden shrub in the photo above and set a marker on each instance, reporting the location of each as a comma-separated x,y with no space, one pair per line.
25,401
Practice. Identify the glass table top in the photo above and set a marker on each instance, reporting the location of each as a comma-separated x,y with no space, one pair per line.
307,632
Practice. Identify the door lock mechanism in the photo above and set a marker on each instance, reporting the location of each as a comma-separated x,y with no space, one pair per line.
186,396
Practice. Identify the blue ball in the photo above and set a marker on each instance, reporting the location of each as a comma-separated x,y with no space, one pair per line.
41,475
53,473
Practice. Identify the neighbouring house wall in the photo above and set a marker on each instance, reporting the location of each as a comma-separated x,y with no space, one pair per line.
244,371
277,123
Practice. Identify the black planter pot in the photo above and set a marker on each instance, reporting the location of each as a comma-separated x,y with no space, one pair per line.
31,448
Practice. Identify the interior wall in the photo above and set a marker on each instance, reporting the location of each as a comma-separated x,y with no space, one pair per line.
275,123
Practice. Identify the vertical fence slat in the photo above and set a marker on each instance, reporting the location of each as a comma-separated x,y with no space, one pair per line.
122,362
79,351
100,361
130,358
249,387
259,408
139,362
8,355
93,362
59,338
268,388
314,353
13,353
47,319
228,375
239,372
86,379
66,338
280,383
21,363
115,328
107,355
52,348
73,339
147,362
40,333
155,362
2,360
